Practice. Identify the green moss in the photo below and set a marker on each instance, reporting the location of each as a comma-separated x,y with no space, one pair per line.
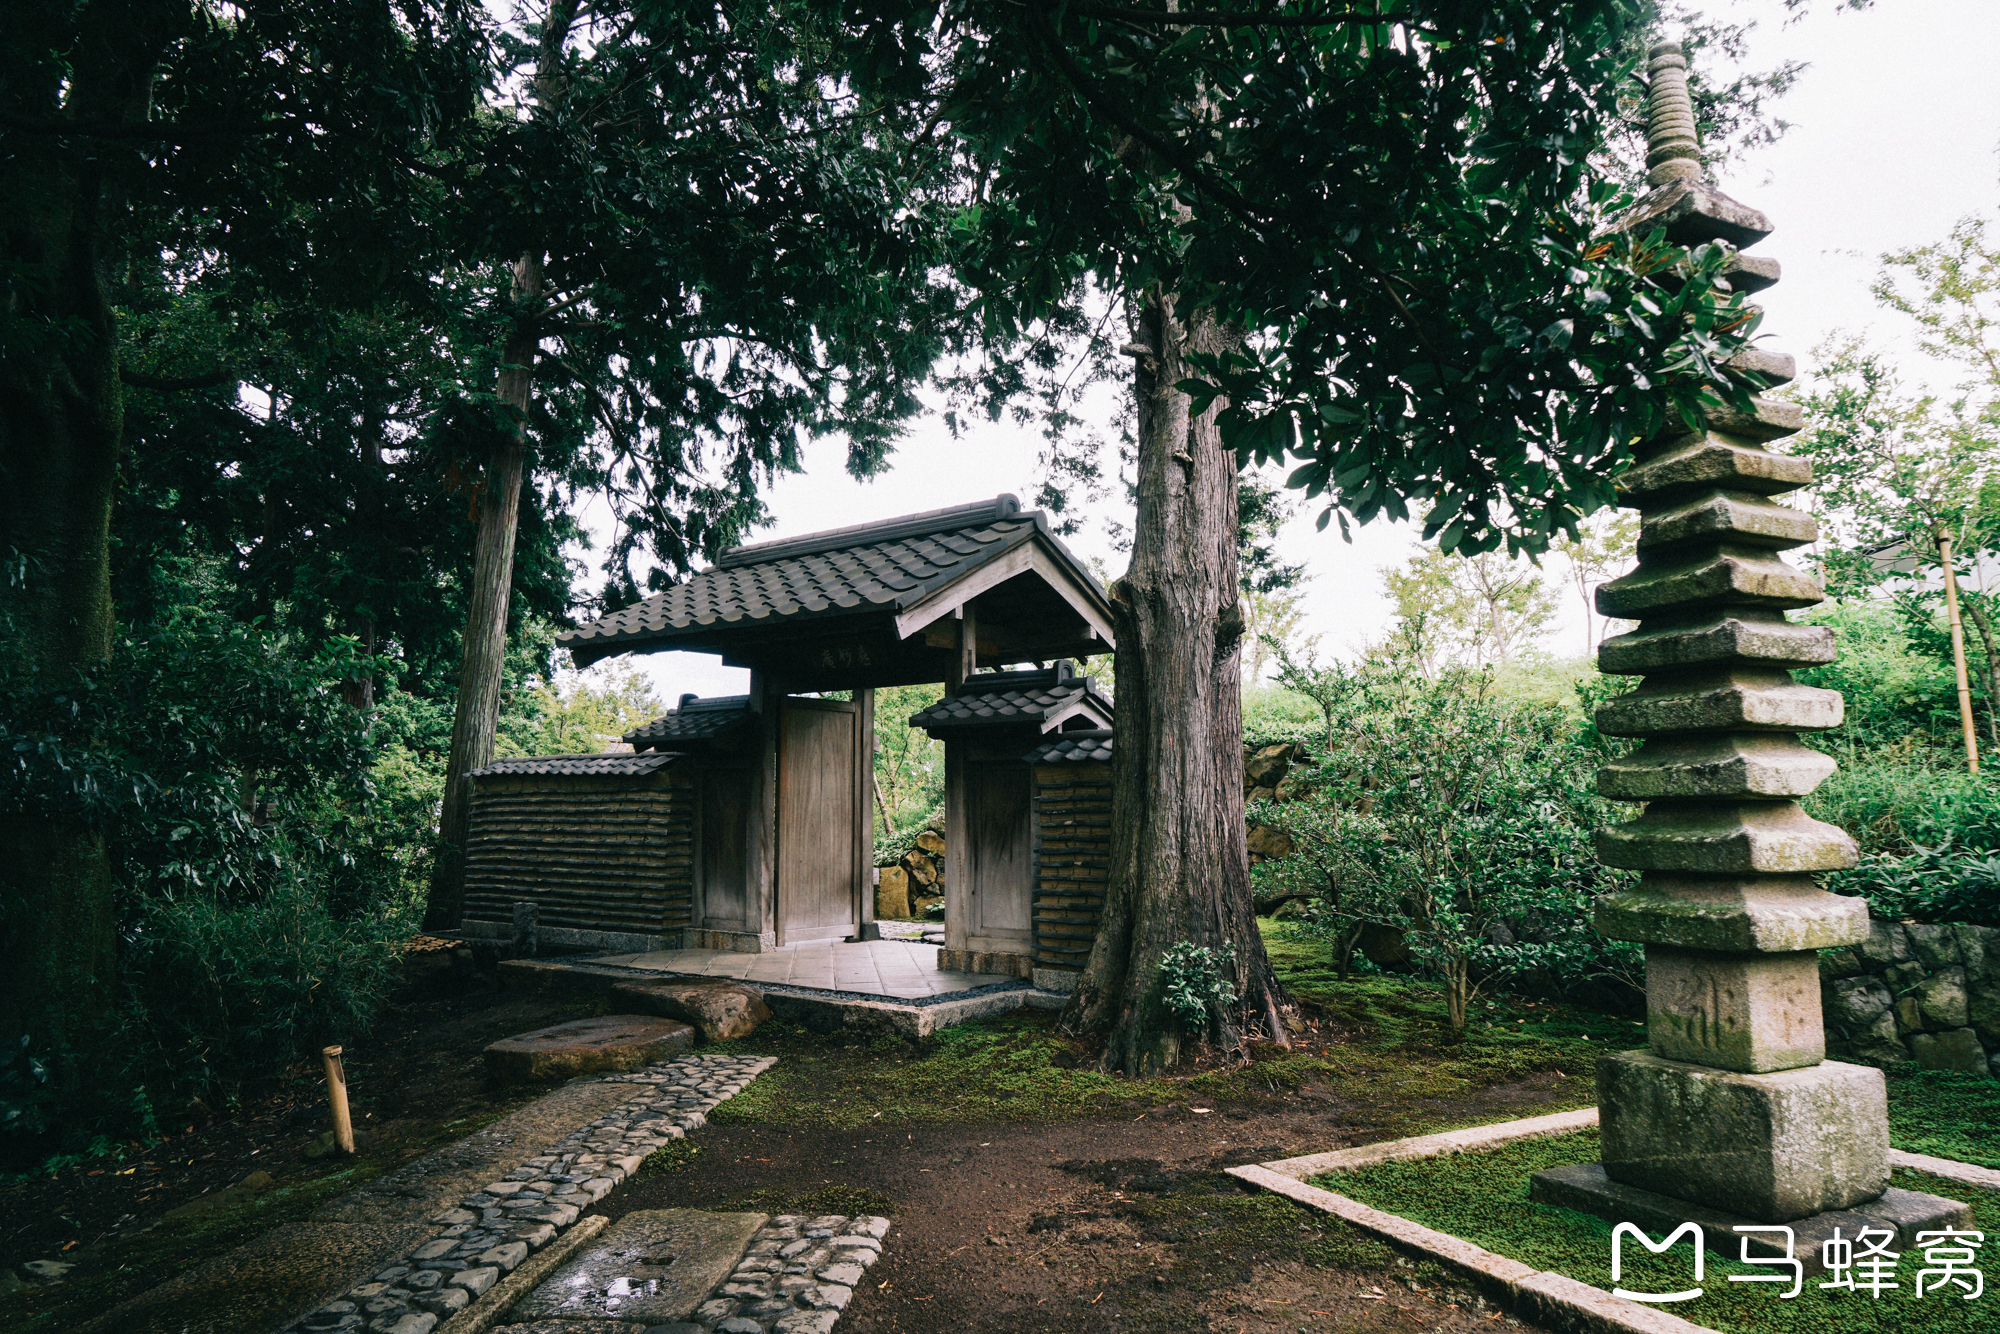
670,1157
1483,1198
1945,1113
849,1200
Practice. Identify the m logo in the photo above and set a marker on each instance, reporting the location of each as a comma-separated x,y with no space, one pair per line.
1618,1260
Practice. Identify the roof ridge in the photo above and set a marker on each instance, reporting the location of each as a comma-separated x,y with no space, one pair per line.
1001,507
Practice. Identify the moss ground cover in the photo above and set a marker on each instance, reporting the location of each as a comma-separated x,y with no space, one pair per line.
1483,1198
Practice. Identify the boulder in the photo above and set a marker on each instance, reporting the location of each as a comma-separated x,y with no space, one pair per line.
1268,842
892,893
1936,947
1266,765
1886,944
921,868
1855,1002
1290,787
1941,999
1260,794
1839,963
1877,1044
1903,977
588,1047
722,1009
1979,950
1909,1019
932,842
1957,1049
1983,1009
1383,945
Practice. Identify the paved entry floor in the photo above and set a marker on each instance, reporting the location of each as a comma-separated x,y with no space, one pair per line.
902,968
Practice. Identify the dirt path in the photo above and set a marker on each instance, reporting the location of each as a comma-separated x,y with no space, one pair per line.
1078,1227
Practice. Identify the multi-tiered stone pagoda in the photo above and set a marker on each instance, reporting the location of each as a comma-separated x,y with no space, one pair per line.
1732,1113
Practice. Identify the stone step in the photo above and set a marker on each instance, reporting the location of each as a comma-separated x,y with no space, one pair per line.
1727,838
1738,517
1731,765
1744,636
1728,699
1742,576
615,1042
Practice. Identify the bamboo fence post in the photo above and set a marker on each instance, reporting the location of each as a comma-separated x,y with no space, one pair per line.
1958,651
336,1097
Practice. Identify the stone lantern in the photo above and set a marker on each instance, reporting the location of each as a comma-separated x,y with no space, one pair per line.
1731,1114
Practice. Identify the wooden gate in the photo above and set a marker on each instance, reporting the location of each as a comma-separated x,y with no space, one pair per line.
820,814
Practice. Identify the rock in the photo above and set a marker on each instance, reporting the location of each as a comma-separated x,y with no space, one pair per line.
807,1322
506,1255
1876,1043
1909,1019
1983,1009
416,1322
1289,788
1260,794
1886,944
1903,977
1383,945
48,1271
737,1324
932,842
652,1265
1978,950
892,894
588,1046
1935,946
320,1146
1266,765
1856,1002
845,1275
923,871
1957,1049
720,1008
1941,998
1265,841
1838,963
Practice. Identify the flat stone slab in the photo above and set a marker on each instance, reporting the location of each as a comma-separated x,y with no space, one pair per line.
1584,1188
651,1266
573,1327
721,1009
615,1042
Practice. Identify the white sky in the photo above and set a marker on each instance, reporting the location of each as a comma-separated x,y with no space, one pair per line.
1896,128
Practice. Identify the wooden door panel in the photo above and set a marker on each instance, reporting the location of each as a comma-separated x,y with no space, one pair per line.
1000,860
725,849
817,805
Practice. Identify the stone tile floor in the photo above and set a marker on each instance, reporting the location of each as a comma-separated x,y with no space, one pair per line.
902,968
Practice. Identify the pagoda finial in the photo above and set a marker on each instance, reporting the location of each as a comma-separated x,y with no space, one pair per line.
1672,150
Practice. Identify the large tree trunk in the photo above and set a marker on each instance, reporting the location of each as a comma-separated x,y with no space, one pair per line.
61,426
481,673
1179,868
499,500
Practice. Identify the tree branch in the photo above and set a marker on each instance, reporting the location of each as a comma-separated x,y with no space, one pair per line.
1215,18
168,384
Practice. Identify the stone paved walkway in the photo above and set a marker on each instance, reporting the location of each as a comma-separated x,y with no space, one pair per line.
905,969
491,1231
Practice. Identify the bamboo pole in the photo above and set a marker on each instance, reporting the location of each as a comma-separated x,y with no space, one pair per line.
1958,651
336,1097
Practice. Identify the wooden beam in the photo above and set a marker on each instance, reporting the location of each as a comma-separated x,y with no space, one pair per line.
949,599
864,820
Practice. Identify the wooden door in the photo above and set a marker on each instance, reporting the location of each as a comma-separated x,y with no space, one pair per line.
725,851
819,810
1000,853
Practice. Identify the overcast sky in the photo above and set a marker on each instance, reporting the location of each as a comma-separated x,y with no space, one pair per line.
1896,124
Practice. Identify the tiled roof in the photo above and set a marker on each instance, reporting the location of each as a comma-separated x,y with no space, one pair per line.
618,765
1075,748
696,719
1040,696
889,566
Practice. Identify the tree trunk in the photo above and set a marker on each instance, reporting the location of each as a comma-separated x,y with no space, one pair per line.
61,430
1179,868
481,669
482,666
1985,628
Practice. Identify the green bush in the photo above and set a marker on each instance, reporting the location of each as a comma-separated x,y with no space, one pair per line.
219,992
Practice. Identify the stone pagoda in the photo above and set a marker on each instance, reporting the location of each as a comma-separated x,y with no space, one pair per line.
1732,1114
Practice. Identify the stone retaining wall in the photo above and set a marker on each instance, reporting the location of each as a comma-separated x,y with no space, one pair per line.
1911,991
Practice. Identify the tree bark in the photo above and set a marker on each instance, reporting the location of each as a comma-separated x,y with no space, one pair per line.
481,669
1179,867
61,431
1985,628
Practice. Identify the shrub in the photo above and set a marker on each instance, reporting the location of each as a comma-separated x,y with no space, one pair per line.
219,992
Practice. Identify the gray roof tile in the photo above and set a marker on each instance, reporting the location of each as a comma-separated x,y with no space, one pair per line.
1092,747
696,719
889,566
993,699
616,765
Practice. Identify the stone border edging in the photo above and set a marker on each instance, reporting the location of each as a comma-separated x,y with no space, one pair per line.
1546,1295
494,1230
487,1312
